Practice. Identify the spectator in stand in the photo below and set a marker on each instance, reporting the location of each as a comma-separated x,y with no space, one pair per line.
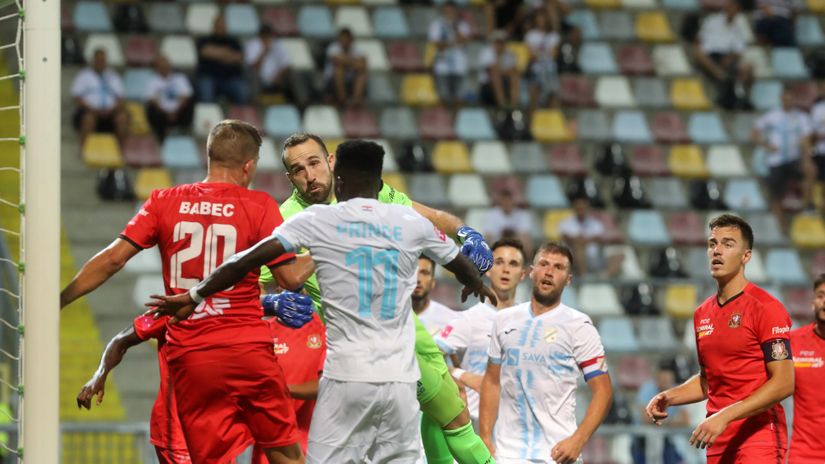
499,77
507,220
449,33
542,77
818,123
508,15
718,52
774,22
168,99
785,135
220,66
98,93
665,378
583,232
346,70
269,59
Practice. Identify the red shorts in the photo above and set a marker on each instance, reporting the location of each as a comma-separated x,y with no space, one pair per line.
172,456
750,455
230,398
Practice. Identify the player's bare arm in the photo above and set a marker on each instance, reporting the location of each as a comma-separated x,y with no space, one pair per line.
693,390
441,219
466,273
304,391
488,405
293,274
98,269
779,386
468,379
110,358
472,242
569,449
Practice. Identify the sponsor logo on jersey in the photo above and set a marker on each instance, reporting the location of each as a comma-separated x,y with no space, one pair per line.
780,330
550,334
508,331
735,320
314,341
280,348
778,351
805,362
704,330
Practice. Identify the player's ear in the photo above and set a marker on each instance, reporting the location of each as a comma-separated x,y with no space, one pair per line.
746,257
331,160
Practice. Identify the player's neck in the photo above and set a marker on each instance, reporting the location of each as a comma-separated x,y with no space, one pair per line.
729,288
505,298
225,176
540,308
420,304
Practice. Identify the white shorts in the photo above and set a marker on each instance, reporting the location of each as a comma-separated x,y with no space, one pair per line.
356,422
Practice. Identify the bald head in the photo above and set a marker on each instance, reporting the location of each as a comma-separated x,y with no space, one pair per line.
232,143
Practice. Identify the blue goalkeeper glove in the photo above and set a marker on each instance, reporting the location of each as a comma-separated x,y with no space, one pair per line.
474,247
293,309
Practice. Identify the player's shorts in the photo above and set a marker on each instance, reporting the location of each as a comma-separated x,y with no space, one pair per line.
750,455
172,456
357,422
230,398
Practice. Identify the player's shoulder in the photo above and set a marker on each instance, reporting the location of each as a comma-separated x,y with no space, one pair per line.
756,294
573,316
705,305
516,312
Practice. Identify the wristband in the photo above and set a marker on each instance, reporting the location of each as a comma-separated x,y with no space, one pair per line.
457,373
193,293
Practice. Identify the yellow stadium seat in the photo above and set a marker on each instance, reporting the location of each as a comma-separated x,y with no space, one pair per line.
603,3
102,151
429,54
451,157
819,195
688,94
687,161
552,219
137,117
519,49
652,26
418,90
808,231
149,179
680,300
332,144
816,6
550,126
395,180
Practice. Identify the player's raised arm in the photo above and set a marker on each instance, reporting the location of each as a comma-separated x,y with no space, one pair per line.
110,358
98,269
472,242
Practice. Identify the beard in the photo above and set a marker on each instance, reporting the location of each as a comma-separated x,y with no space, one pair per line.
321,196
550,298
819,315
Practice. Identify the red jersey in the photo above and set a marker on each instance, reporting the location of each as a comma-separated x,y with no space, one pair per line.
196,227
164,429
807,446
734,342
301,353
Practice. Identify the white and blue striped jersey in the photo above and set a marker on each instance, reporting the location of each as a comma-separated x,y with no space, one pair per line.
541,359
366,257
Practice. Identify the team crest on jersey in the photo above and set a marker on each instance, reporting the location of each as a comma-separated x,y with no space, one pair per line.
314,341
440,234
735,321
550,334
778,350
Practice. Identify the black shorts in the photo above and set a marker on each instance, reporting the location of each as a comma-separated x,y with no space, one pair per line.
819,162
779,177
106,124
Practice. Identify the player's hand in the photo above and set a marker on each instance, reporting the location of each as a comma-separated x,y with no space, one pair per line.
95,386
567,450
708,430
483,293
657,408
177,307
293,309
490,444
475,248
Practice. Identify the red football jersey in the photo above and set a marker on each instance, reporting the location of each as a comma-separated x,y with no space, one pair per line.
196,227
807,446
301,353
734,342
164,428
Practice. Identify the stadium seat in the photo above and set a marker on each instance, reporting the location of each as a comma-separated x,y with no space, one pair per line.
268,158
91,16
380,89
359,122
491,158
669,128
670,60
102,151
614,91
816,6
246,113
298,51
686,228
140,152
599,299
658,334
282,21
652,26
141,51
420,18
418,90
638,4
428,189
390,162
134,83
149,179
510,184
200,18
398,123
323,120
684,5
552,219
651,92
179,151
375,53
688,94
726,161
631,126
648,160
808,231
784,266
139,125
147,284
315,21
758,59
389,22
618,334
436,123
631,373
527,157
585,20
797,301
770,233
109,43
635,60
550,126
567,160
275,184
355,18
766,94
647,228
545,191
593,125
397,181
597,58
744,195
280,121
166,18
451,157
612,232
706,128
818,263
147,262
576,91
241,19
686,161
473,124
180,50
697,264
405,57
742,126
809,31
467,191
668,193
616,25
681,299
788,63
205,118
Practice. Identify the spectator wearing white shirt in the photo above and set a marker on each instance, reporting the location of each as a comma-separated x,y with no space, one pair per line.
98,93
449,33
818,124
434,315
542,74
499,77
345,73
168,99
785,135
267,56
584,232
507,220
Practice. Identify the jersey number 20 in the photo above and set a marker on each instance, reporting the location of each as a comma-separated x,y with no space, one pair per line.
366,260
201,243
